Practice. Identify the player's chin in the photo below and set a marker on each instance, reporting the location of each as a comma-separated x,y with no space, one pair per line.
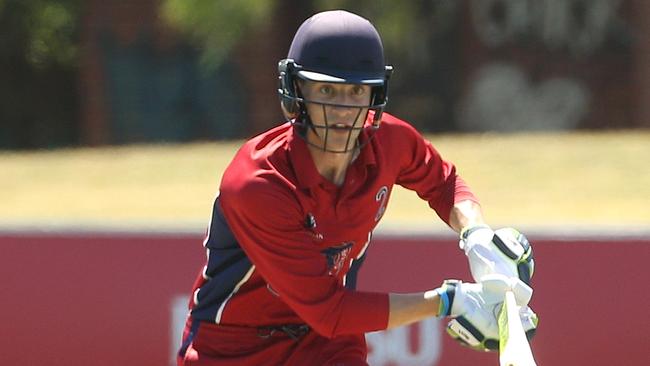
342,139
334,144
335,139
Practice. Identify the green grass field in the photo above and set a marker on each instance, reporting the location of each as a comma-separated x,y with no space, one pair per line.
570,179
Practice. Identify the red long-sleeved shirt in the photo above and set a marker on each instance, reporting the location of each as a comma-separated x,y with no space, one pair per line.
285,244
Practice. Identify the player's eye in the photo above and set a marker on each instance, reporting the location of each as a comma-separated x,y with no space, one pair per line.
358,90
326,89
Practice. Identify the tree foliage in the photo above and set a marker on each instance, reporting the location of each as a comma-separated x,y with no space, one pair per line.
216,25
406,28
38,63
41,32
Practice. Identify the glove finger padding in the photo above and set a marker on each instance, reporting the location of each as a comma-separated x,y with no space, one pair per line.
497,285
465,330
505,251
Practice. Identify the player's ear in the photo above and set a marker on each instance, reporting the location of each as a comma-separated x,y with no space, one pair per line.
291,108
288,89
299,84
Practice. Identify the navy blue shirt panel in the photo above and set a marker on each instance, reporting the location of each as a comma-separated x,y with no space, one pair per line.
227,265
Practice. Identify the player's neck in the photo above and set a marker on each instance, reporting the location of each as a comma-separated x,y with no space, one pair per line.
332,166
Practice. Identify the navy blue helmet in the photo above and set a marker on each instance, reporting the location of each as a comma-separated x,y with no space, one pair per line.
334,47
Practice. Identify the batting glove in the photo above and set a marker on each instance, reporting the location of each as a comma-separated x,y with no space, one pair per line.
474,308
505,251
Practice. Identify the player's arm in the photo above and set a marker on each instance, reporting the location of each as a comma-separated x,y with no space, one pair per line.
472,307
436,181
466,213
423,170
413,307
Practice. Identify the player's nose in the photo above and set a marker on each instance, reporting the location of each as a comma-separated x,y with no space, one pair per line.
343,115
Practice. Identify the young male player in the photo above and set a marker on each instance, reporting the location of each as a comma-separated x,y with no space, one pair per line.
297,207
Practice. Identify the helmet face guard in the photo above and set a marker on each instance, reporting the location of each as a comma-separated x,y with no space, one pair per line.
295,106
334,47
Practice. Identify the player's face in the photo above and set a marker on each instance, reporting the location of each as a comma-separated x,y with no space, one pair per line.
337,112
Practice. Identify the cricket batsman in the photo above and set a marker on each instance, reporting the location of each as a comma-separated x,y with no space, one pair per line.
297,207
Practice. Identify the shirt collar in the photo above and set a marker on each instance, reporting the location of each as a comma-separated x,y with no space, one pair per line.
367,153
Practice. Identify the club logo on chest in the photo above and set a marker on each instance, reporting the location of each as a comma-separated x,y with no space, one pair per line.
336,257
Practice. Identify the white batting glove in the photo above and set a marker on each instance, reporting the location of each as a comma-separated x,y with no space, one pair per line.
505,251
474,308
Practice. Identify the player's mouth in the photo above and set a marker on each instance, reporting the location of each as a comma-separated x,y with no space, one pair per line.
341,126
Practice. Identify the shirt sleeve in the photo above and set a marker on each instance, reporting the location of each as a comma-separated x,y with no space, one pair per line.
424,171
268,224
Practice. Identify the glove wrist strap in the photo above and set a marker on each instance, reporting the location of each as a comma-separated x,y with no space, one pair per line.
446,294
466,232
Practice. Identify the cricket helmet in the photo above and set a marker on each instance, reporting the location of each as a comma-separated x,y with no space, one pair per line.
334,47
